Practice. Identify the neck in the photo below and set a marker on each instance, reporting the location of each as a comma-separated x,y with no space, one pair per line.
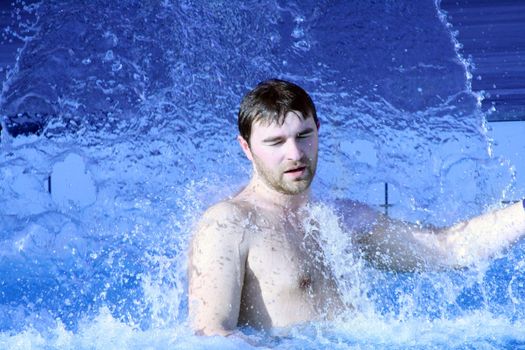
276,200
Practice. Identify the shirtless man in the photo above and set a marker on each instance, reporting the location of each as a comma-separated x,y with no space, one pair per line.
251,260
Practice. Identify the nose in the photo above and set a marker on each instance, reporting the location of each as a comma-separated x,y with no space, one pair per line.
293,150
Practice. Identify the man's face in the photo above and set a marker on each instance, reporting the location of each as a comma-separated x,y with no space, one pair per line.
285,156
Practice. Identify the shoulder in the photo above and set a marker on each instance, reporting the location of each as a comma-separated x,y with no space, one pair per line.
225,212
356,216
222,224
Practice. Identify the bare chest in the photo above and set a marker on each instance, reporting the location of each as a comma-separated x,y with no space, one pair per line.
287,262
285,279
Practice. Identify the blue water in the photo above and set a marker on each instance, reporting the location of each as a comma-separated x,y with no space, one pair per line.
118,130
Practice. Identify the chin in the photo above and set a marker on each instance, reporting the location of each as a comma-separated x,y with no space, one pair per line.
296,188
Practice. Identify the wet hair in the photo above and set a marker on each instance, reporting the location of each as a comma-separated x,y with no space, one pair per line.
270,101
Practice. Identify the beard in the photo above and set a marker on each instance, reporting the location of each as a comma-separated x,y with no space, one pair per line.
276,179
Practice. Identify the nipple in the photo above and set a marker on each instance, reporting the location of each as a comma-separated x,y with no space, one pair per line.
306,282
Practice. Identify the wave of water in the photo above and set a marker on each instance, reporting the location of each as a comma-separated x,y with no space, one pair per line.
125,115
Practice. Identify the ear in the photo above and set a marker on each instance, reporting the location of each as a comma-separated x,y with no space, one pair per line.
245,147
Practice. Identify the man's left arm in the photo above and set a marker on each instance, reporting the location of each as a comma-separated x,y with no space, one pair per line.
397,245
485,235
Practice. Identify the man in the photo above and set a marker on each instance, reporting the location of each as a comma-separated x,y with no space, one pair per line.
252,262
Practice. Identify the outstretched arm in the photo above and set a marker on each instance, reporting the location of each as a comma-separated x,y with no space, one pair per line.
216,271
485,235
397,245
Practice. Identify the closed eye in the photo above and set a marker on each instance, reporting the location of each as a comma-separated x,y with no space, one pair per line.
306,133
274,141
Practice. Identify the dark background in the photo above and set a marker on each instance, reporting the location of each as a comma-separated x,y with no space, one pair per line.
7,48
492,33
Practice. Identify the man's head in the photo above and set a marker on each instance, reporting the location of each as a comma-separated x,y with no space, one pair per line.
278,132
269,102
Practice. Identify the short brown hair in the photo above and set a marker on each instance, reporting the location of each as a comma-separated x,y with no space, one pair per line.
270,101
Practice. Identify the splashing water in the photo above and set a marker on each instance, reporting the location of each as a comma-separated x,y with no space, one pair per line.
118,130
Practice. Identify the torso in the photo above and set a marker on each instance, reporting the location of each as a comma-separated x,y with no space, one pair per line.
286,280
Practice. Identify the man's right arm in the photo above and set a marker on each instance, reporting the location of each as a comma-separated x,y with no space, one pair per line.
216,270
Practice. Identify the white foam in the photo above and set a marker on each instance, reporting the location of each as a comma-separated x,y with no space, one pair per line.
71,183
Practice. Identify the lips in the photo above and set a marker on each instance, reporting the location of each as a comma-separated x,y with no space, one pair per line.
296,170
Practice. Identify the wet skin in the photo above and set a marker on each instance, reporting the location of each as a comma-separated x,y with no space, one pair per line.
252,262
